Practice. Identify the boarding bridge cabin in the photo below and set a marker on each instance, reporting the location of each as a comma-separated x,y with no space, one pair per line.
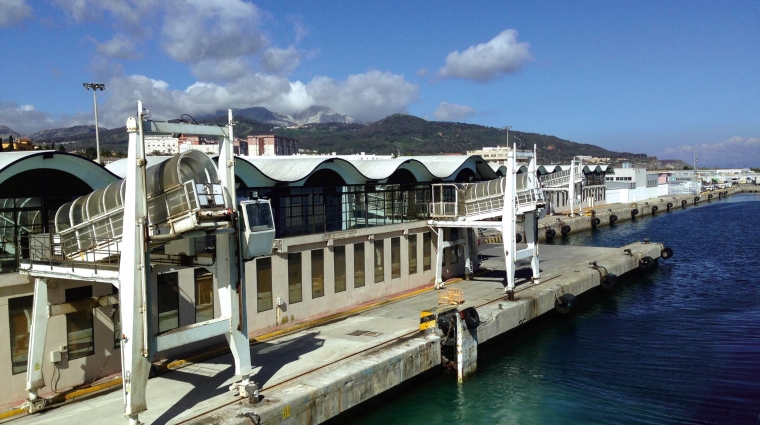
494,204
156,215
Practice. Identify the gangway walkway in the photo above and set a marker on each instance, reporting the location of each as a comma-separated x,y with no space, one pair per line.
476,205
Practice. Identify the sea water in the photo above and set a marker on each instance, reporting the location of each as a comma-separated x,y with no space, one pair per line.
680,345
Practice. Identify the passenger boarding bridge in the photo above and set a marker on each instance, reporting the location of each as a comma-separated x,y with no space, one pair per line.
475,205
111,236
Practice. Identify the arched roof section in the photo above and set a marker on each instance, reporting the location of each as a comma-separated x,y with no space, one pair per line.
296,169
548,169
119,168
92,173
447,168
596,168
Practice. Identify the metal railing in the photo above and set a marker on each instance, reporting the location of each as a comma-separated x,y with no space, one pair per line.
560,179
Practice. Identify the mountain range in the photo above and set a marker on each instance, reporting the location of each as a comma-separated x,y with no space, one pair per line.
320,129
313,115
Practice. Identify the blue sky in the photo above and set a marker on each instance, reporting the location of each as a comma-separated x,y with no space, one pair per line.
655,77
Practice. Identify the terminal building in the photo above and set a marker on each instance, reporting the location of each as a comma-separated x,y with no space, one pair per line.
349,230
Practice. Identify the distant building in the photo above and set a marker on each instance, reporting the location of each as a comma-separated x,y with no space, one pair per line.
493,155
198,143
164,145
22,144
271,145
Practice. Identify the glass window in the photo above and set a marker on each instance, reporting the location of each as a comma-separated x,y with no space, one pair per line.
339,254
395,258
20,321
295,293
426,245
412,254
359,276
204,295
379,261
116,320
317,273
259,217
79,325
264,284
167,291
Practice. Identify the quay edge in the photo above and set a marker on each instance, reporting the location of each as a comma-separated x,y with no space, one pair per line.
326,393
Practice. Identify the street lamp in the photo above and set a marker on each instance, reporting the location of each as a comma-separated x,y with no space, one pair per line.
507,127
95,87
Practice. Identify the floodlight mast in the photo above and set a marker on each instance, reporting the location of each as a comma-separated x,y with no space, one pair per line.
95,87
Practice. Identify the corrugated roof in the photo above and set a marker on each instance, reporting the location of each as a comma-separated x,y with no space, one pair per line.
92,173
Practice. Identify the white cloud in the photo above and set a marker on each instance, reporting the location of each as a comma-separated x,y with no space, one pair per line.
736,151
25,119
131,11
201,30
119,47
222,69
12,12
422,72
486,61
366,97
453,112
299,28
281,61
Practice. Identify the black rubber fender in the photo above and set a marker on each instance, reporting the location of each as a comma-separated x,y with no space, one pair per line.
550,233
684,202
696,198
565,229
666,253
565,303
595,221
471,317
633,213
518,238
613,218
709,196
670,205
655,209
646,263
609,280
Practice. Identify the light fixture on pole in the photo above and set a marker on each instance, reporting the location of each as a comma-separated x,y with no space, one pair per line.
95,87
507,127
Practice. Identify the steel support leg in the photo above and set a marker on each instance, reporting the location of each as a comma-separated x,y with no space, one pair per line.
37,334
467,259
531,238
232,302
439,261
134,274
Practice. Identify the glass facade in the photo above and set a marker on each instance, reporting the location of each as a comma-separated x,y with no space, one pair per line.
379,261
339,264
79,337
264,284
412,254
395,258
313,210
426,248
204,295
167,294
28,203
19,323
359,276
317,273
295,287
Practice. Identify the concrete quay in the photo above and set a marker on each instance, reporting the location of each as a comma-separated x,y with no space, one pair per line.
323,394
623,212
